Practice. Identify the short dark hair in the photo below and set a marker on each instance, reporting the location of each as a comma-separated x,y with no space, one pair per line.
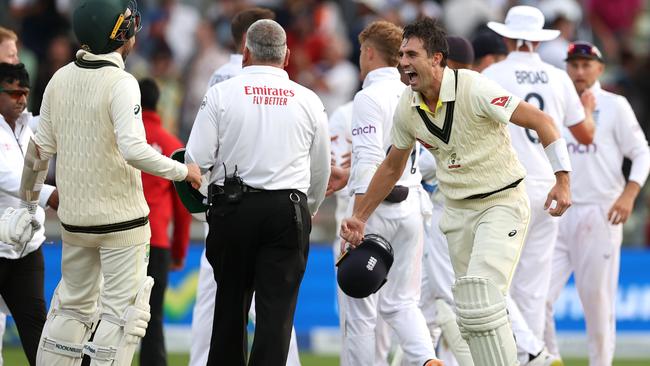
149,94
12,72
243,20
432,34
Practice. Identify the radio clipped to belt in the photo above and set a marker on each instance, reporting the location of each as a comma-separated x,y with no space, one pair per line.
232,190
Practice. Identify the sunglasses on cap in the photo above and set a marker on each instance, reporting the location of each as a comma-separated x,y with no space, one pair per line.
583,50
15,94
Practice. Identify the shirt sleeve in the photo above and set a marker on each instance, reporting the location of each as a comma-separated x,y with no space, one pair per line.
126,113
574,112
401,135
367,142
319,159
633,142
491,101
203,144
44,135
340,143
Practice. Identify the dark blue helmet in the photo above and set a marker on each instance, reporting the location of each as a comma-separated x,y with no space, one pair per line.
363,270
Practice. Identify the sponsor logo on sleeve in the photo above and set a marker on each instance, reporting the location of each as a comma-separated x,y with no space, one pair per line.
204,102
501,101
364,130
136,109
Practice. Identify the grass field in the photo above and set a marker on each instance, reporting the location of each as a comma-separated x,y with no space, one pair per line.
15,357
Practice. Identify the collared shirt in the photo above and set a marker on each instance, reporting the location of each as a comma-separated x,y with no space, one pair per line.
473,150
270,130
13,144
228,70
372,120
596,176
550,89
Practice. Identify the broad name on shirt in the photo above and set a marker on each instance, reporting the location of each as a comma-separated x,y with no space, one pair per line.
531,77
268,95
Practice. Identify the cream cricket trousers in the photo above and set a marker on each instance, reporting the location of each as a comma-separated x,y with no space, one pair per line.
486,235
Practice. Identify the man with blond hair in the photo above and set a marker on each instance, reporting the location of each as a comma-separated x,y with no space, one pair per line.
398,219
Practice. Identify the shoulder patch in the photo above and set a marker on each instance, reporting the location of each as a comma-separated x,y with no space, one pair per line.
500,101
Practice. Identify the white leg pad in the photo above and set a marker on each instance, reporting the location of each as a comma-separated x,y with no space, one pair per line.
64,335
116,339
484,322
446,319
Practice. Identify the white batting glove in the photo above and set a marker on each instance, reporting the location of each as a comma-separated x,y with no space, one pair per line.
17,227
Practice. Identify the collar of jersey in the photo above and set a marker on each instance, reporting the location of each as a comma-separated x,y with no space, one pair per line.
113,57
447,93
380,74
523,55
263,69
21,121
236,58
596,87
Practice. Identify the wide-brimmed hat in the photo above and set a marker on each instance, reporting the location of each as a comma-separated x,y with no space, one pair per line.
526,23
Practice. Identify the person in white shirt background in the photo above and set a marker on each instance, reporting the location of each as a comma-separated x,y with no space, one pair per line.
21,266
524,74
265,138
202,314
591,233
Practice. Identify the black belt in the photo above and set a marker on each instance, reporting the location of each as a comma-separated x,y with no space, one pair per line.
108,228
484,195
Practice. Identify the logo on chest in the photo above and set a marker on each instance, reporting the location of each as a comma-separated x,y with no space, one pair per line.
453,162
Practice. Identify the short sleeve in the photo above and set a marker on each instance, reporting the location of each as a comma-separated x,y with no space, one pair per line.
401,133
491,101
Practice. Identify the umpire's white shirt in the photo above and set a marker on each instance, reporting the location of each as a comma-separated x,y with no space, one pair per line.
273,129
547,87
13,144
372,121
596,177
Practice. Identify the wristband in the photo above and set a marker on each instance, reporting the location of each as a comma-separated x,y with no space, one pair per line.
558,156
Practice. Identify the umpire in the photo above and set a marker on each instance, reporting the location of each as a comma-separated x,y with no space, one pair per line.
265,138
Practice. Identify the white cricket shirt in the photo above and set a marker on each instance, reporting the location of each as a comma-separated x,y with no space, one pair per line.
550,89
228,70
340,128
596,176
372,121
272,129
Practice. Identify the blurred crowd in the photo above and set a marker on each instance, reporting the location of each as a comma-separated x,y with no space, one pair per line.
183,41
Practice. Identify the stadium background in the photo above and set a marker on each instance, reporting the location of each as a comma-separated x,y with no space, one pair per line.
184,41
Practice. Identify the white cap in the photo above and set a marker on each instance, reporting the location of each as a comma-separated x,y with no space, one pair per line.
526,23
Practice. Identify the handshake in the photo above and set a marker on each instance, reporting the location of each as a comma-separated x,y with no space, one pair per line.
17,226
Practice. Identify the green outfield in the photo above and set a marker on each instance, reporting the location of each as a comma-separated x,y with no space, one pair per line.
14,357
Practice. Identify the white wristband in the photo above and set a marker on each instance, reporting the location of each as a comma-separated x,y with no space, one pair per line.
558,156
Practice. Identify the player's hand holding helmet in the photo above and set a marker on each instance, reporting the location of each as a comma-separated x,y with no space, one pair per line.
363,270
17,226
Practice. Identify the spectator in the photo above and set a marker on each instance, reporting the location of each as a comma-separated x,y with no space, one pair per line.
164,206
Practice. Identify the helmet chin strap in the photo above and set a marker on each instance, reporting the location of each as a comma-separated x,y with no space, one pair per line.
529,44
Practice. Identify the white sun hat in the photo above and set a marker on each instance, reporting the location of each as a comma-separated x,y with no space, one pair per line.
525,23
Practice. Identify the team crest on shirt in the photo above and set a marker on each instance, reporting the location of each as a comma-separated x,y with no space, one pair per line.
453,162
501,101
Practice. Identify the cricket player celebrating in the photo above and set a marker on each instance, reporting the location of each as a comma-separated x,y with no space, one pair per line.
461,117
591,234
398,219
91,119
524,74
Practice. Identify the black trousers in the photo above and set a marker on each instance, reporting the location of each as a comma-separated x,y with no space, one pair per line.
152,350
21,286
259,244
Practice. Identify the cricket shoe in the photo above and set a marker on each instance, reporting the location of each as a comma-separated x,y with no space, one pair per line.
544,358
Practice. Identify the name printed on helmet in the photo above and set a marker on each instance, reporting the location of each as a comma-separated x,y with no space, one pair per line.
268,95
531,77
